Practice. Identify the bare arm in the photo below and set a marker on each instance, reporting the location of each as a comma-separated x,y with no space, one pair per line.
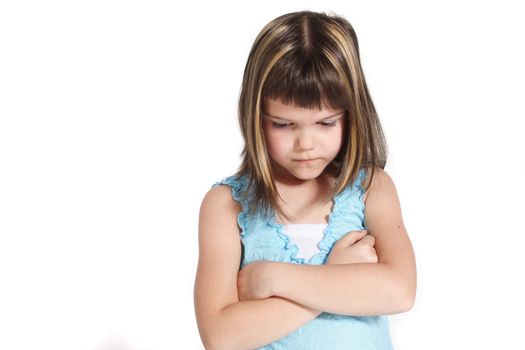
348,289
360,289
251,324
282,316
223,321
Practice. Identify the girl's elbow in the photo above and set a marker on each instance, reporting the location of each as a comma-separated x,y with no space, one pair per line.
407,298
219,346
407,304
212,342
210,337
217,339
208,341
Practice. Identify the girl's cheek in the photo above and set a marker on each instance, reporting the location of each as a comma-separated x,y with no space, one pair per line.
275,145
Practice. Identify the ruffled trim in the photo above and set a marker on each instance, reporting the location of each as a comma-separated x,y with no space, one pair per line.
338,214
359,188
290,247
238,185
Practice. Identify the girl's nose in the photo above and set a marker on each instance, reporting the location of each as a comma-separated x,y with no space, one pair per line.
305,140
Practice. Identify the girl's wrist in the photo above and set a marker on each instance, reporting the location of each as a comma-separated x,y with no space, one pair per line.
276,273
271,276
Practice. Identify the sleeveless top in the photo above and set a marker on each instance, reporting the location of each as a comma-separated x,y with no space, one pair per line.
264,238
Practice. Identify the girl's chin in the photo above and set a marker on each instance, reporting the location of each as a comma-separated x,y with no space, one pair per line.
306,174
303,172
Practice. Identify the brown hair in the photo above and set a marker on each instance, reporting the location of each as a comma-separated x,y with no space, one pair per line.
307,59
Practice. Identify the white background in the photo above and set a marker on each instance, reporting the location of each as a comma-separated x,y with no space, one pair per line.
116,117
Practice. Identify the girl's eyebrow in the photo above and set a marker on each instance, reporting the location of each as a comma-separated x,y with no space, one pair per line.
281,118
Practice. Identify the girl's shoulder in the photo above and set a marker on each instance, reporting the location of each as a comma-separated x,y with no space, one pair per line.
238,181
220,199
368,183
237,185
233,187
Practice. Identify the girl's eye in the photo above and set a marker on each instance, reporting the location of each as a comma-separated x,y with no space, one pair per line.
279,125
325,124
328,124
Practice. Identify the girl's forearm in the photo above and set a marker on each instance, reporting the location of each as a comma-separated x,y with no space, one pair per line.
252,324
348,289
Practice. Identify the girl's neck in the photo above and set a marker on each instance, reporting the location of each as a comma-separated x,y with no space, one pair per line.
303,200
294,185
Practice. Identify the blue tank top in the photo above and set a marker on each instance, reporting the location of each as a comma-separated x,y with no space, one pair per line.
263,238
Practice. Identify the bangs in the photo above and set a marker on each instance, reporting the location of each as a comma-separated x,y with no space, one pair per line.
306,80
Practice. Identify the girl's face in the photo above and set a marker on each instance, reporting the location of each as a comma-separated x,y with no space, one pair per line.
301,141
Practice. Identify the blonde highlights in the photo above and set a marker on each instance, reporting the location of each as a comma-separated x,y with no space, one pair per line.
307,59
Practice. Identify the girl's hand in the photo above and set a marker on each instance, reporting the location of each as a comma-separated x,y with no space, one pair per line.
254,281
354,247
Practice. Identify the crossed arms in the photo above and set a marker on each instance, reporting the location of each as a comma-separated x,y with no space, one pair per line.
274,299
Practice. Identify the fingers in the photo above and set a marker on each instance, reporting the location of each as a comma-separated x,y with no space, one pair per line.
367,244
368,239
351,237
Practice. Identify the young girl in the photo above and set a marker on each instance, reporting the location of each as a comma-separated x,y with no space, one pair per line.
285,261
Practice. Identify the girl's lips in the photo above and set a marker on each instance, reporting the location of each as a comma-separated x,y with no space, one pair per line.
305,160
